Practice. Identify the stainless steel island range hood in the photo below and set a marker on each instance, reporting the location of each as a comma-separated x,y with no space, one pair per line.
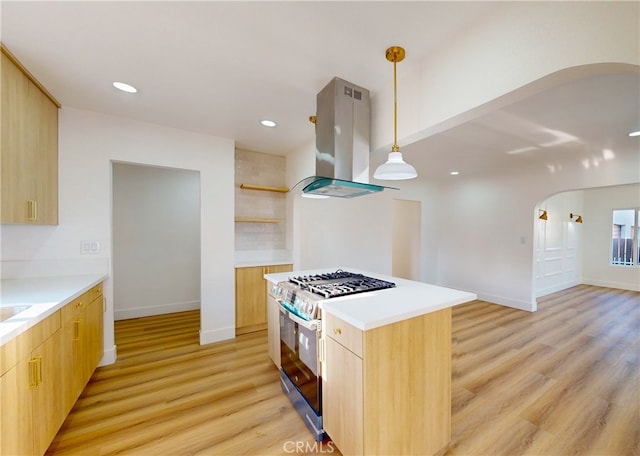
342,143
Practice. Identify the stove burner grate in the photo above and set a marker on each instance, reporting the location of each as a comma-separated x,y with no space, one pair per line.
340,283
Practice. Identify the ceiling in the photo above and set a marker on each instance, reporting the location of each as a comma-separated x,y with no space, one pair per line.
221,67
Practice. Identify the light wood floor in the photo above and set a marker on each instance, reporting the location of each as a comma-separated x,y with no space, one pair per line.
562,381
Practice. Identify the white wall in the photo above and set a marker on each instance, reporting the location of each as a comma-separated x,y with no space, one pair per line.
598,206
500,266
515,44
356,232
156,240
478,233
346,232
557,244
88,143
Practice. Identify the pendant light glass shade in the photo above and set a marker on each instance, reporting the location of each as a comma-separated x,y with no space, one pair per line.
395,168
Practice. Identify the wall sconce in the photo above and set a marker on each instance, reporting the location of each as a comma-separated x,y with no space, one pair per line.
543,216
578,217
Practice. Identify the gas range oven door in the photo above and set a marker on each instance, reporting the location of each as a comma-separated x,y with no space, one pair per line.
299,340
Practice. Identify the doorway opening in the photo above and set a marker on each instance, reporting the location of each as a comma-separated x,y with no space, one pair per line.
407,216
156,240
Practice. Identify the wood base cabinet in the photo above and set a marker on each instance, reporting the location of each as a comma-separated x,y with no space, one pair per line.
32,410
388,390
43,372
82,341
251,303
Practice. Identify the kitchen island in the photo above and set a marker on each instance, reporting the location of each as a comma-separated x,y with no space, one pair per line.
386,366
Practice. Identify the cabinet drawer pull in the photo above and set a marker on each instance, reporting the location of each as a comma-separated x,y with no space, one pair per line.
39,369
76,330
33,374
337,331
32,210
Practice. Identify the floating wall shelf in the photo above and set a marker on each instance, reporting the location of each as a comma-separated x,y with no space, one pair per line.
256,220
264,188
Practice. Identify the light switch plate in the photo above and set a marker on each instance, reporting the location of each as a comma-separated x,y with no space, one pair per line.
89,247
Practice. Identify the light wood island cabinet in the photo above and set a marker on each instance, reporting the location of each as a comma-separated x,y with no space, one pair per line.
387,390
251,301
44,370
29,147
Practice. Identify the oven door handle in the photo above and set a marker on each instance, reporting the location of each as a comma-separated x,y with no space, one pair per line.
312,325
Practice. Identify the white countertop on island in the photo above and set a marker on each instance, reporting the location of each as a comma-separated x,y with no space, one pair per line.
382,307
43,296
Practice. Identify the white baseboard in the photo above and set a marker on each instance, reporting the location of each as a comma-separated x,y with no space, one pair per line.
109,357
508,302
217,335
137,312
556,288
609,284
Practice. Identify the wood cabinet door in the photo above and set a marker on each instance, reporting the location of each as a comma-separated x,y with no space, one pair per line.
251,309
42,153
251,301
16,422
29,130
342,398
273,329
274,269
16,190
94,316
47,397
69,357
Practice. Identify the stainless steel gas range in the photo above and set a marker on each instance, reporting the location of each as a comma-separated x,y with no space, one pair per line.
300,333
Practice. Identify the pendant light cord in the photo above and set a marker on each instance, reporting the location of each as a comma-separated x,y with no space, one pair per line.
395,147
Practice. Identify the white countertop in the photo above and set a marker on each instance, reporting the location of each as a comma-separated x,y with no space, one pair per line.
253,263
43,295
250,258
382,307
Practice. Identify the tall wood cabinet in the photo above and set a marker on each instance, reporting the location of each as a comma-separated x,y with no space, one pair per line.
251,302
29,147
388,390
44,370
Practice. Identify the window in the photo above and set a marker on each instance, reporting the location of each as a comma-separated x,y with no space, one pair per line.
624,237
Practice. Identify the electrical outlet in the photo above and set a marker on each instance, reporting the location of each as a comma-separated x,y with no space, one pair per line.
89,247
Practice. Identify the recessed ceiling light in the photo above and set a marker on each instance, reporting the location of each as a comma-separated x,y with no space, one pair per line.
125,87
268,123
454,173
635,133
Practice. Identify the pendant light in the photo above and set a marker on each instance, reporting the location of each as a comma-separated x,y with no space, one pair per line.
395,168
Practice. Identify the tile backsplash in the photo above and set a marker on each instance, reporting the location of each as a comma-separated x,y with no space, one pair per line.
257,168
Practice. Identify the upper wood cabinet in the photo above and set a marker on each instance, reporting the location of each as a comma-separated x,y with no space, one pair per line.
29,148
